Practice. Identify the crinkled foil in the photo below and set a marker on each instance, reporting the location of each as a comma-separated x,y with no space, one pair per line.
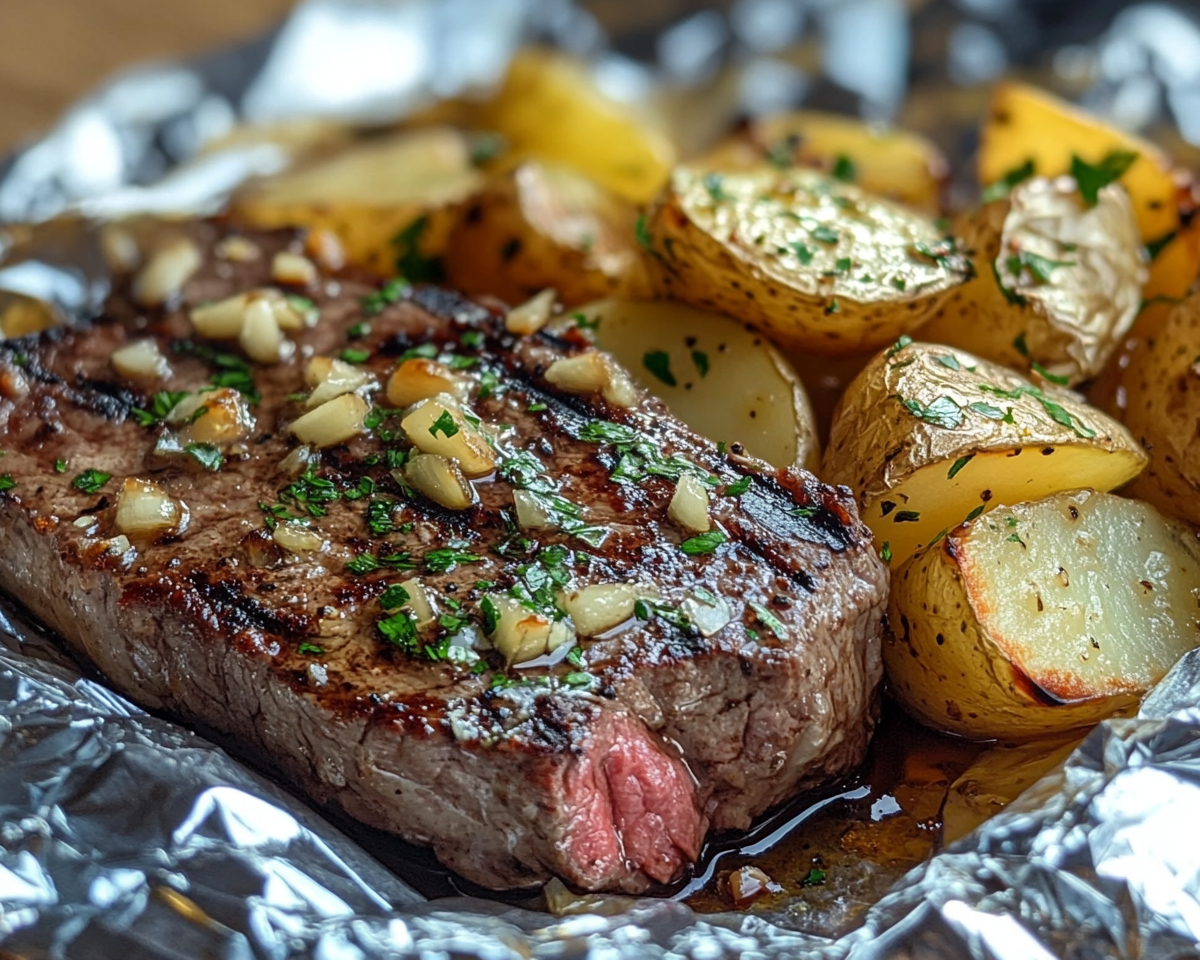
124,836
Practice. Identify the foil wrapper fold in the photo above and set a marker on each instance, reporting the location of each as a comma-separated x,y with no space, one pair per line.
125,836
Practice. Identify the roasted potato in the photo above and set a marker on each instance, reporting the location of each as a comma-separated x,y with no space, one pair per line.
542,225
549,107
1042,617
812,262
1162,397
1058,283
997,777
896,164
723,380
370,194
927,436
1029,128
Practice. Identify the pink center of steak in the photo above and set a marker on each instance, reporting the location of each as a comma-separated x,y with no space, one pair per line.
633,808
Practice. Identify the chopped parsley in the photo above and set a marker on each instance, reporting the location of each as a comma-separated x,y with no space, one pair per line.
1038,266
906,516
411,264
356,356
703,543
488,382
491,615
989,411
1003,187
400,629
844,169
91,481
823,234
393,291
1047,375
948,360
1020,345
536,407
575,657
1155,247
60,466
310,494
1092,178
975,514
358,330
205,454
1010,295
899,345
958,465
715,185
700,359
394,597
769,620
444,425
885,552
639,457
447,559
641,231
159,408
843,265
833,306
311,649
941,412
658,362
739,487
366,563
803,253
380,518
899,283
7,482
657,609
231,371
816,877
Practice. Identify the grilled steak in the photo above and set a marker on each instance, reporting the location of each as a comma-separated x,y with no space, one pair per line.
178,535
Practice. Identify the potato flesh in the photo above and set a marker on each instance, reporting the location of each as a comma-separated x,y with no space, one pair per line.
1082,619
987,479
749,394
972,653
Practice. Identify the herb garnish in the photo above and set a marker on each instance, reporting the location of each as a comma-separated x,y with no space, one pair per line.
737,488
160,407
803,253
658,362
7,482
231,371
1003,187
411,264
393,291
205,454
824,234
91,481
1155,247
703,543
444,425
700,359
844,169
1047,375
958,465
941,412
356,356
769,620
446,559
1092,178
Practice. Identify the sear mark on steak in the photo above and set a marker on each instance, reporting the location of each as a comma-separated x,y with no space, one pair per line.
746,673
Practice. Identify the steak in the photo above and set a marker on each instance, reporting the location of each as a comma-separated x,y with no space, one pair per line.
746,669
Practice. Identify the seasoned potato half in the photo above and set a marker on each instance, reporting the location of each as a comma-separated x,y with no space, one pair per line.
368,194
1162,409
928,436
724,380
542,225
1043,617
1057,283
1027,126
549,107
809,260
891,163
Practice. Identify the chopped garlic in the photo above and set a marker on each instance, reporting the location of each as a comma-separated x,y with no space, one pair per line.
238,250
439,426
261,336
144,509
417,379
163,277
333,422
338,378
141,360
689,505
593,372
441,480
532,315
297,538
522,634
294,270
601,606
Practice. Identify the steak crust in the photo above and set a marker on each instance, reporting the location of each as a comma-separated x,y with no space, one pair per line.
606,770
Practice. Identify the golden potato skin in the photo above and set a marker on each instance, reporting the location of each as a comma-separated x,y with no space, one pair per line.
1024,123
1069,322
368,193
542,225
896,164
899,462
1162,396
814,263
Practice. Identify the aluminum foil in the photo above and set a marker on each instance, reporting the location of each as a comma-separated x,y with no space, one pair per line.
124,836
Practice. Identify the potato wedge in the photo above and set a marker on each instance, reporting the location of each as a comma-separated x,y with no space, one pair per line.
370,193
927,436
723,380
1162,397
1057,283
897,164
1026,124
812,262
1029,621
997,777
542,225
549,107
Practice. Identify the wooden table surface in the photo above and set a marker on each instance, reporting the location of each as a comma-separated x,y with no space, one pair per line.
52,51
